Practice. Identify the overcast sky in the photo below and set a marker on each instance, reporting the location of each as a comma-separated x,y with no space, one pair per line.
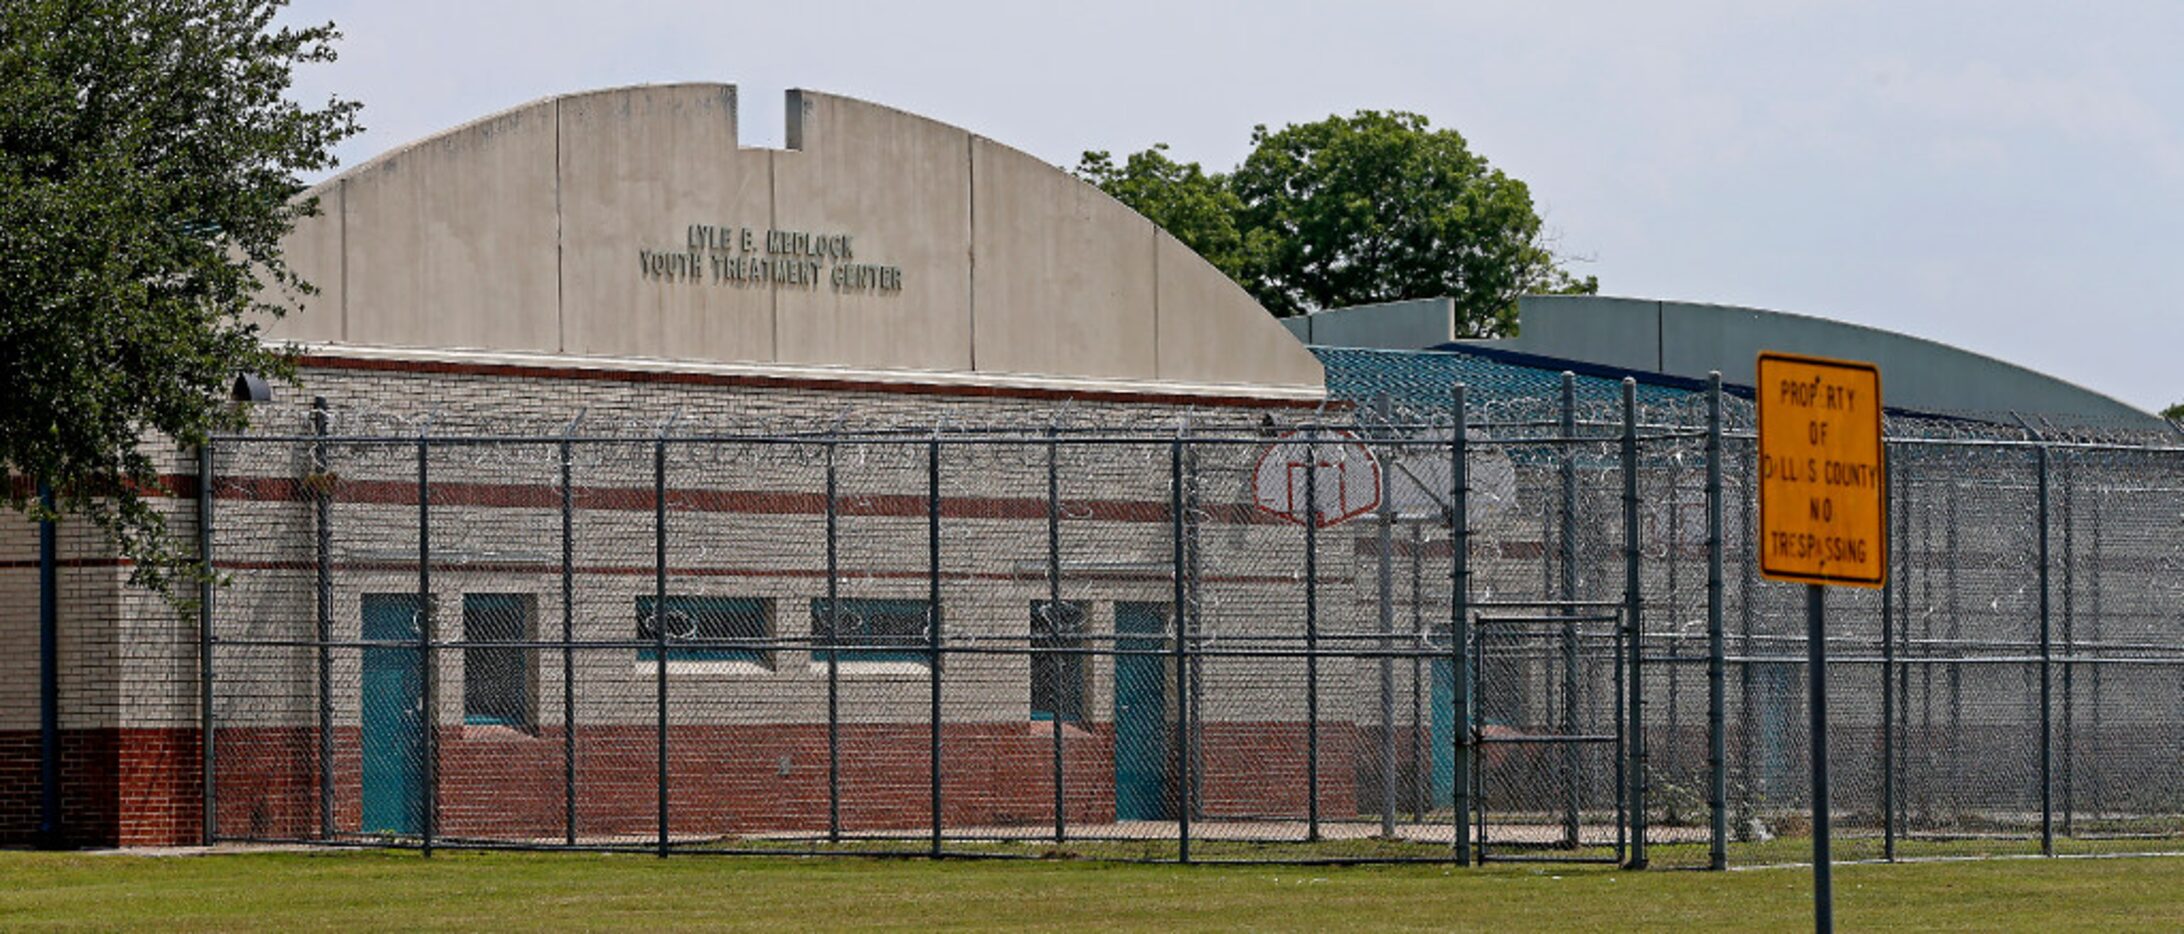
2003,176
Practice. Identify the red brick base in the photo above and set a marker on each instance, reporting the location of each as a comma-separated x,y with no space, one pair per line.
141,788
126,787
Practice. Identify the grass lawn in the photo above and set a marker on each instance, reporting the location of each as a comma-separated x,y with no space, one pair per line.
383,890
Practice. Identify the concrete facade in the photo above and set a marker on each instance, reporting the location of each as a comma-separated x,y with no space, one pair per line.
1690,339
631,223
1406,325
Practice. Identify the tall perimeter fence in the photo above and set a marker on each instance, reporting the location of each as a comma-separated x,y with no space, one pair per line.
1526,629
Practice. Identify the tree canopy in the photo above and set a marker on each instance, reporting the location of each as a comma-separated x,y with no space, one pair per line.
1373,207
149,163
2174,413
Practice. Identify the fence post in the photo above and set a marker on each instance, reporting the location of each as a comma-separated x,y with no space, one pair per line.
1459,622
1922,794
2095,568
1573,763
2047,656
1955,634
1385,580
933,622
659,632
1717,726
209,823
1906,514
1755,779
1417,792
1055,617
1193,618
833,633
429,677
1311,631
51,822
1888,666
1182,677
322,521
1633,606
568,641
2070,648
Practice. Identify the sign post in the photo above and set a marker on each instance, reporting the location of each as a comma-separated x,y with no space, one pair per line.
1823,521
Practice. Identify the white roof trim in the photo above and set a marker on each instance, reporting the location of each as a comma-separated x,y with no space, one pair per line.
934,378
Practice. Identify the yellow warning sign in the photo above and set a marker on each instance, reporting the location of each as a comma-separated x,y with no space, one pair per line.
1823,483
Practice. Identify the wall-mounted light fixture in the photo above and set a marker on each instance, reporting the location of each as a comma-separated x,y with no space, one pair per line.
250,387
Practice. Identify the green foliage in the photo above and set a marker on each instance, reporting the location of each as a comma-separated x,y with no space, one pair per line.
148,166
1374,207
2174,413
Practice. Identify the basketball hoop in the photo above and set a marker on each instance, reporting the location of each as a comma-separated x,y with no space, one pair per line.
1344,472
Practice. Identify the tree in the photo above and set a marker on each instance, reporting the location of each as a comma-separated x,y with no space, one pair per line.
2174,413
149,165
1373,207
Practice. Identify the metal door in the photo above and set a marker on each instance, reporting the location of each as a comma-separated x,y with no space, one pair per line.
1549,783
1142,748
393,718
1442,739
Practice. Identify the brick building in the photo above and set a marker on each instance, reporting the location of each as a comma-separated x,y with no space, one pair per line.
613,265
624,459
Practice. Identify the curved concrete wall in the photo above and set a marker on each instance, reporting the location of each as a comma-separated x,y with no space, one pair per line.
630,223
1690,339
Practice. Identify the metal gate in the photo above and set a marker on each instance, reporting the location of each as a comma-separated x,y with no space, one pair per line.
1550,732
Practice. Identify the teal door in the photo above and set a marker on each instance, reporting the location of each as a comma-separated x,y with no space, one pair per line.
1444,732
1141,708
393,718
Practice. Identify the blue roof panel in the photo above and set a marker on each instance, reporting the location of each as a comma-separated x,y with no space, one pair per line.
1423,379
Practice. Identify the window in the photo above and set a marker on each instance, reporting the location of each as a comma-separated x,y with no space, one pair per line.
873,630
1057,680
496,681
691,622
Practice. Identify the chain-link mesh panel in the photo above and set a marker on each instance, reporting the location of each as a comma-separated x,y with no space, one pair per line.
1550,647
277,727
614,570
2118,573
996,759
1971,643
1384,638
1115,549
1673,554
743,533
494,523
1259,771
1144,637
872,648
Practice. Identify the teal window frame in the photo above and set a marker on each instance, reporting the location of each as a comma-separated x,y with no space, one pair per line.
483,664
1058,682
711,618
873,630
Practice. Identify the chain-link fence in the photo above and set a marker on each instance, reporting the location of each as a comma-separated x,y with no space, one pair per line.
1520,629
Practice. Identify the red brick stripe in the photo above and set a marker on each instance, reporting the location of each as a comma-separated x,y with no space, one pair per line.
647,570
745,502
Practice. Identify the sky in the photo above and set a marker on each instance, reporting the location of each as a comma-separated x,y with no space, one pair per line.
2004,176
